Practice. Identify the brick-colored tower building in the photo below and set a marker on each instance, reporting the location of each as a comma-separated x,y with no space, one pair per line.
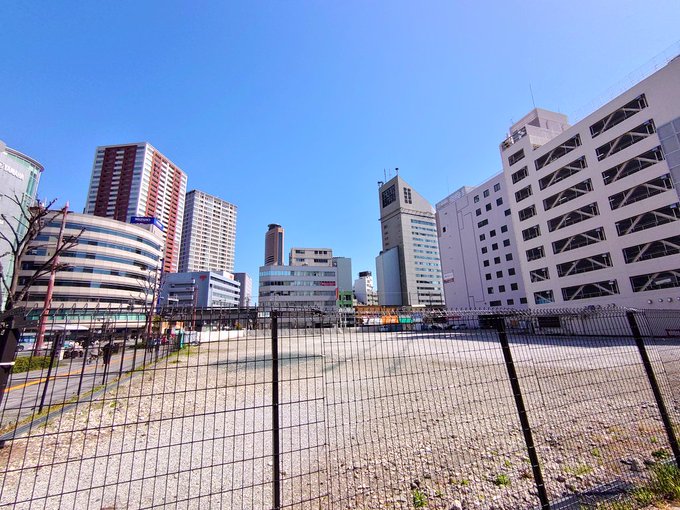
137,180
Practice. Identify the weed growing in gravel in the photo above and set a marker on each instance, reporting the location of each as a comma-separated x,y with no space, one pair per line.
595,452
661,454
664,486
502,480
419,498
507,463
578,470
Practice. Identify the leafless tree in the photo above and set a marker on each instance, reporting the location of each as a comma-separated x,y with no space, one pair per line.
24,229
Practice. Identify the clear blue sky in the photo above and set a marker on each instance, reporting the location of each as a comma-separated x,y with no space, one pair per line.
292,110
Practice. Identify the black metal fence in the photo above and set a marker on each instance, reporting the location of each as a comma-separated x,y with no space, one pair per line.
301,409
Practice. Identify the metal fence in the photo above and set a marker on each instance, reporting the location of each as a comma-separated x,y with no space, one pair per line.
255,408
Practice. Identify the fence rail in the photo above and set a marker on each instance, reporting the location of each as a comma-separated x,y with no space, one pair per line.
290,408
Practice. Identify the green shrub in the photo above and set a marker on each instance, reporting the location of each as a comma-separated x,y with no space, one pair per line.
28,363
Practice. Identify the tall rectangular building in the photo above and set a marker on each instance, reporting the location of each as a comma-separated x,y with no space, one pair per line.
407,222
595,205
133,180
273,245
478,249
208,234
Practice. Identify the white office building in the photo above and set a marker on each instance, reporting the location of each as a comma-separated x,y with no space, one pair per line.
208,234
478,249
364,292
200,289
595,205
409,236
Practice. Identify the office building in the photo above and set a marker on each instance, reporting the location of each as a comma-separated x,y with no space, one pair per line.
113,264
478,250
310,257
301,284
200,289
273,245
208,234
409,234
595,205
364,292
19,178
136,180
246,289
344,267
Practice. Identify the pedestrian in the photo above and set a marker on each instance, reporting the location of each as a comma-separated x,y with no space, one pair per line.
106,353
157,345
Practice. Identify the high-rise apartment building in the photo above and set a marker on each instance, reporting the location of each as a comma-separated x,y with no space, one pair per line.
136,180
246,288
409,229
595,205
208,234
478,249
363,289
273,245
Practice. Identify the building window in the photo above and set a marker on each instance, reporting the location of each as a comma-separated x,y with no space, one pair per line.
486,263
497,187
499,274
482,223
513,286
523,194
539,275
578,240
544,297
581,214
523,300
486,193
655,281
482,237
511,271
488,207
633,136
562,173
508,256
496,260
389,195
591,290
501,288
568,194
492,233
443,230
478,212
618,116
531,232
489,290
632,166
488,276
507,212
506,242
535,253
584,265
520,174
649,219
494,246
652,249
495,303
484,249
640,192
517,156
407,196
504,229
558,152
511,302
476,198
499,201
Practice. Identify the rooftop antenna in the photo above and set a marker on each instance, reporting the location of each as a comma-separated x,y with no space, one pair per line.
532,95
397,170
385,174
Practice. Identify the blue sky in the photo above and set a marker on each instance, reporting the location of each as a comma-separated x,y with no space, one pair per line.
292,110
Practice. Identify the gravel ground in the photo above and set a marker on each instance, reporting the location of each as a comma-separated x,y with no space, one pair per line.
372,420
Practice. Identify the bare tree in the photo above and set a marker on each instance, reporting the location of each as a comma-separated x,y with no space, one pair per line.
24,229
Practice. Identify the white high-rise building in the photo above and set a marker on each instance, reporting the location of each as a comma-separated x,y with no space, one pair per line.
409,237
478,249
595,205
364,292
208,234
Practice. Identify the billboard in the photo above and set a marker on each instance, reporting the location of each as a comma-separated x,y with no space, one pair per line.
146,220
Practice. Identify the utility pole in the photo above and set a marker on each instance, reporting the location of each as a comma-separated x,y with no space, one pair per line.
42,325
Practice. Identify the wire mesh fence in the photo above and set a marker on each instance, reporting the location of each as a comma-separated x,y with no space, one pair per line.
289,408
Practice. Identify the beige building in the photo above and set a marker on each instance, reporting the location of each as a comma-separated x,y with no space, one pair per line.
273,245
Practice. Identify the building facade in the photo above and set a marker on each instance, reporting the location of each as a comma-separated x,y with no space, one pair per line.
408,223
364,291
208,234
301,284
246,289
200,289
595,205
136,180
19,178
273,245
113,264
478,249
344,267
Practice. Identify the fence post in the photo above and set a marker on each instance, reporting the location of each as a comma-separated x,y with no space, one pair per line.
672,439
522,412
56,346
276,445
8,346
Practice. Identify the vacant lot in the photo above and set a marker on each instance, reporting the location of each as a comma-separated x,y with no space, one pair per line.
368,420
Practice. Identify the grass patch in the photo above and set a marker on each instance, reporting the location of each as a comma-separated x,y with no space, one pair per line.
28,363
419,498
578,470
664,486
502,480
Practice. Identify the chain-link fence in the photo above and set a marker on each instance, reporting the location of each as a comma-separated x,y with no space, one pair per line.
254,408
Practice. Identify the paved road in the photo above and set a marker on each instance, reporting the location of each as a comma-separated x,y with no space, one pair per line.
29,390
